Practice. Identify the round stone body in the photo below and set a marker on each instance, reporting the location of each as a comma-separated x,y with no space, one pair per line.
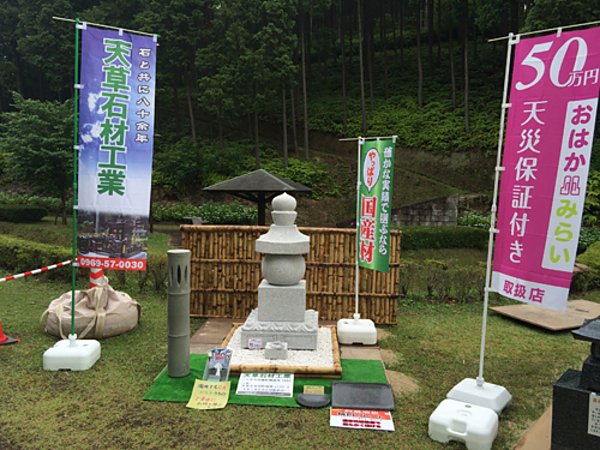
283,270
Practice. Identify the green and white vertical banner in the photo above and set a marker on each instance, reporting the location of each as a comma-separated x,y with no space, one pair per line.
374,204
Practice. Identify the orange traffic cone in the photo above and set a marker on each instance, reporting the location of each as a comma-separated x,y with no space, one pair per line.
6,340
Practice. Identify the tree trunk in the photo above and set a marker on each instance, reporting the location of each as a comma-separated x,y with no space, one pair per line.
256,143
439,32
63,206
304,95
402,33
451,56
384,48
429,12
419,61
343,60
466,60
284,121
362,72
370,54
188,94
294,131
393,16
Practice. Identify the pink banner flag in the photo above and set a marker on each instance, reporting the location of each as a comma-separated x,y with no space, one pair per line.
549,135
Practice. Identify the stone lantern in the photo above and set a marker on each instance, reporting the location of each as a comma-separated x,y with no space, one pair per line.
281,315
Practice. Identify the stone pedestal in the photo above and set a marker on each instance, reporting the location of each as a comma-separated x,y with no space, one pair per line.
570,408
281,303
281,314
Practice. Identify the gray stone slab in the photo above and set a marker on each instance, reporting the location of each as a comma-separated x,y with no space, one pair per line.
282,303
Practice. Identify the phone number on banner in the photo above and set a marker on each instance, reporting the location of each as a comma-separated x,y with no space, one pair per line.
112,263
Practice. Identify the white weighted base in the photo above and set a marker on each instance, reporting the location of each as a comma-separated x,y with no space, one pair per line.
72,354
488,395
356,331
472,425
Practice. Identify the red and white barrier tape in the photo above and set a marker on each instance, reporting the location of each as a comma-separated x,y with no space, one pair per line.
36,271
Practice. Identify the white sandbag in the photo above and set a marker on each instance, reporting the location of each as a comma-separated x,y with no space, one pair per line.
99,312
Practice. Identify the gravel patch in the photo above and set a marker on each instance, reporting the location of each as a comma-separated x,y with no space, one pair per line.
321,357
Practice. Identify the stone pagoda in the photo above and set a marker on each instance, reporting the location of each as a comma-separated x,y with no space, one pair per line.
281,316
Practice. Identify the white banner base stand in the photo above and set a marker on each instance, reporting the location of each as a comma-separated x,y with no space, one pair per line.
356,331
72,354
472,425
486,395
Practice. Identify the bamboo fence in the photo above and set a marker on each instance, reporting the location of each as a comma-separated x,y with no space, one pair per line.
225,273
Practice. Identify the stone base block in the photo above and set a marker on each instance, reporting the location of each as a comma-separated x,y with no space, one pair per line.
281,303
297,335
276,350
570,411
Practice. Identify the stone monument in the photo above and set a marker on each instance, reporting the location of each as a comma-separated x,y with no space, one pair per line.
576,398
281,316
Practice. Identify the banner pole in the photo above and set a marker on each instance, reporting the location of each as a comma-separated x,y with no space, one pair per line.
360,140
75,164
493,230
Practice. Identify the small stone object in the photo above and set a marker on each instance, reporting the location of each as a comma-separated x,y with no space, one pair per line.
276,350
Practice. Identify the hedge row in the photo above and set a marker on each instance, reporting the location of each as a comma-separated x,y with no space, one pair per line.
22,213
19,255
590,279
416,238
436,281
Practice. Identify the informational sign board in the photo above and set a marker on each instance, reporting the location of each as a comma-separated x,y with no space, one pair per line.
116,129
209,394
594,414
362,419
376,176
547,151
266,384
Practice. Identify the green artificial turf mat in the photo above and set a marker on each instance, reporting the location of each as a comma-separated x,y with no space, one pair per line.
167,389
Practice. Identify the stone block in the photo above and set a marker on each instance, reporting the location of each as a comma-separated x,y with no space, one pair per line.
570,410
298,335
276,350
281,303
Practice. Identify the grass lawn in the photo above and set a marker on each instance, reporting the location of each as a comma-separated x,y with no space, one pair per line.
102,408
436,344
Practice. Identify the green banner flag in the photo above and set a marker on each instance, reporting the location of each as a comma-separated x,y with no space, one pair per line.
374,207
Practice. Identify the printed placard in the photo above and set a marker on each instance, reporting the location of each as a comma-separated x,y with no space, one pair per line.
361,419
266,384
594,415
209,394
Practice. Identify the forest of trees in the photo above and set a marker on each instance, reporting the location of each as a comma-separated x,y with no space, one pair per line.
339,66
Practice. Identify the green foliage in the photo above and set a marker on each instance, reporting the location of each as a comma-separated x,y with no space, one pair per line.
50,203
554,13
36,139
587,237
590,279
414,238
211,212
313,174
591,211
474,219
21,213
18,255
436,281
